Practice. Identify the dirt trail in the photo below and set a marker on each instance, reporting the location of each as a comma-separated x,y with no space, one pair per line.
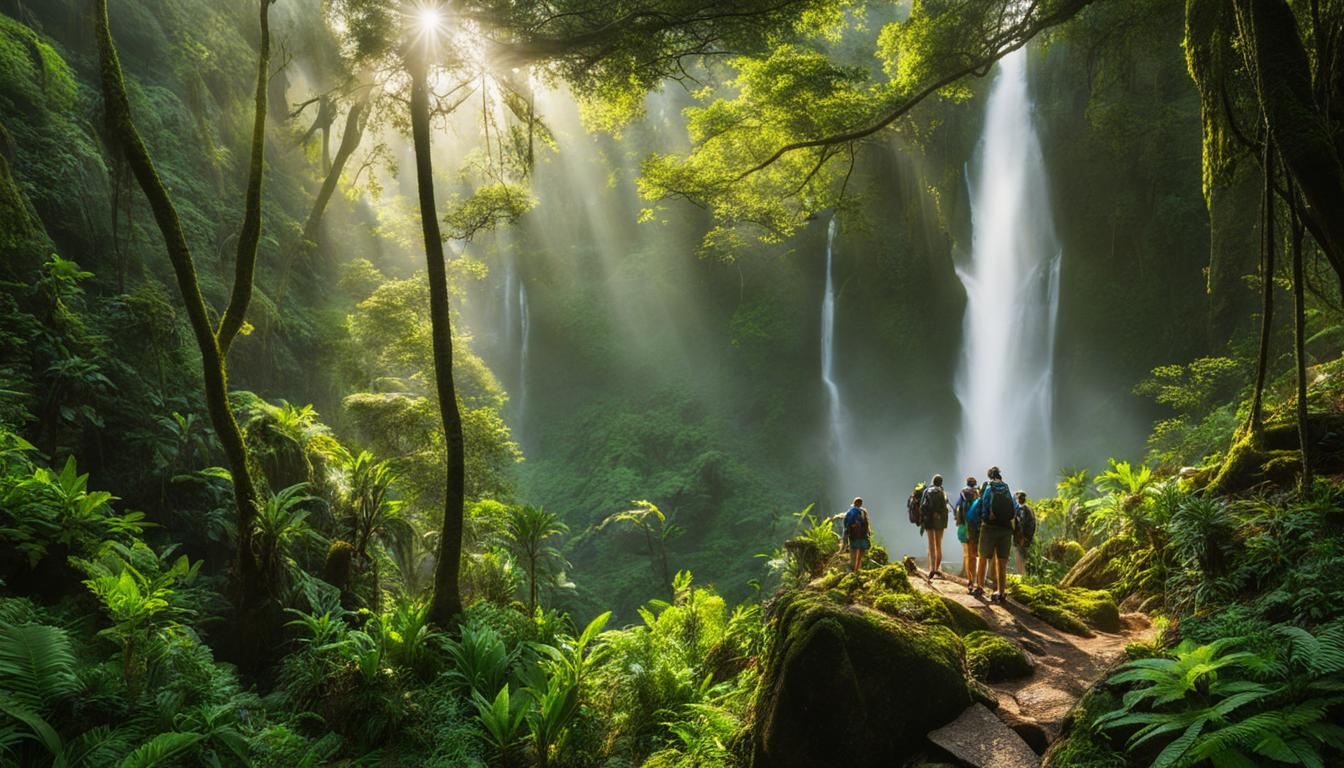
1065,665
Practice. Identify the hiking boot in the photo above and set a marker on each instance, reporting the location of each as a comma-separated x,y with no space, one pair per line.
970,590
978,591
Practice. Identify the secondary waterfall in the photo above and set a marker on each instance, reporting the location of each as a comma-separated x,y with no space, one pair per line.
1005,380
836,414
524,342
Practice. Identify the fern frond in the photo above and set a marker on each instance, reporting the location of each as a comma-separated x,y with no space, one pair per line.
37,664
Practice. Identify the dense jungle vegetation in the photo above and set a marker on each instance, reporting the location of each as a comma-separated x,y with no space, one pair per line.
416,382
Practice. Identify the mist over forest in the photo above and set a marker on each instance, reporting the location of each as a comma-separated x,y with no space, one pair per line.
413,382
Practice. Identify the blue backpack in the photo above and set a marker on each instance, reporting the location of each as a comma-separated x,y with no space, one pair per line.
1002,509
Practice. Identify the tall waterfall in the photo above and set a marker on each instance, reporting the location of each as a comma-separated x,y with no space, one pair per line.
1005,380
524,343
835,413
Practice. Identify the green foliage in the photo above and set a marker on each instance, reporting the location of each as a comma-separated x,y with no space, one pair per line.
1237,707
503,720
529,530
480,661
41,509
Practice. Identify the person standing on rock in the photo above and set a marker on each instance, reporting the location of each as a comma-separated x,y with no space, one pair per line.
961,514
933,512
1024,531
998,511
856,537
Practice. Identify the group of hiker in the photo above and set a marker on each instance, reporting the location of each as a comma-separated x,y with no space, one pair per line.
991,522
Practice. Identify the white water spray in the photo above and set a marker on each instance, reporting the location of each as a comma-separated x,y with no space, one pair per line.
524,344
836,414
1005,381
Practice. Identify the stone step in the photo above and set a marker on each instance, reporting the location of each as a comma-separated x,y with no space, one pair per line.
980,739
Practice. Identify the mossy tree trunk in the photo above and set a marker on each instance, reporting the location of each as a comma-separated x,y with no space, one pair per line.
447,601
350,140
126,138
250,235
1299,341
1304,125
1255,424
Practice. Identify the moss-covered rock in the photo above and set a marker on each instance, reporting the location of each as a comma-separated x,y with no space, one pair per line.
1071,609
1098,568
1081,747
964,619
920,607
993,658
839,686
1065,551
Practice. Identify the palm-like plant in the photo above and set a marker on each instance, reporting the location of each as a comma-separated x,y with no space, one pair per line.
372,515
502,721
556,704
530,530
648,518
481,662
1122,491
573,658
281,525
140,604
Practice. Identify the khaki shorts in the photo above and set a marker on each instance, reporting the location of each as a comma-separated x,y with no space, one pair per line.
995,541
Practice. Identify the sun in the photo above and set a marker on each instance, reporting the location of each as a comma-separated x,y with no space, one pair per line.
429,18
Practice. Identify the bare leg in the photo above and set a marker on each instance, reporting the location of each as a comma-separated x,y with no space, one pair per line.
936,540
980,572
1001,573
855,558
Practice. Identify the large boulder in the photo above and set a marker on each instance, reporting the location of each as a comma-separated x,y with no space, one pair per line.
1098,569
849,685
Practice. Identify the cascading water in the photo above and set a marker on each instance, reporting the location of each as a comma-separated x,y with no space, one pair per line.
1005,380
836,413
524,343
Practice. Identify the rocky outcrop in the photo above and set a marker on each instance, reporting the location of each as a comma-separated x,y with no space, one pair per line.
980,739
847,684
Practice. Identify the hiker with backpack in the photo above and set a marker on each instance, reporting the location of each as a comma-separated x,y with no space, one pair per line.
998,512
933,519
912,506
856,537
1024,532
965,533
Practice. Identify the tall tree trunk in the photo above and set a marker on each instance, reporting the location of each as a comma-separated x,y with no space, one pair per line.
1267,291
350,140
122,131
447,602
1304,134
1299,343
245,265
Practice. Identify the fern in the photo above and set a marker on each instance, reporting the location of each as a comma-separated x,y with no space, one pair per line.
1236,708
160,749
37,664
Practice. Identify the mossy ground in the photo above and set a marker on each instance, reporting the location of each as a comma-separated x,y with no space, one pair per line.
1080,747
992,658
1072,609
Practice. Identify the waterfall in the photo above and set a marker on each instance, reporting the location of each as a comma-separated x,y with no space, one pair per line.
524,343
1005,381
828,347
